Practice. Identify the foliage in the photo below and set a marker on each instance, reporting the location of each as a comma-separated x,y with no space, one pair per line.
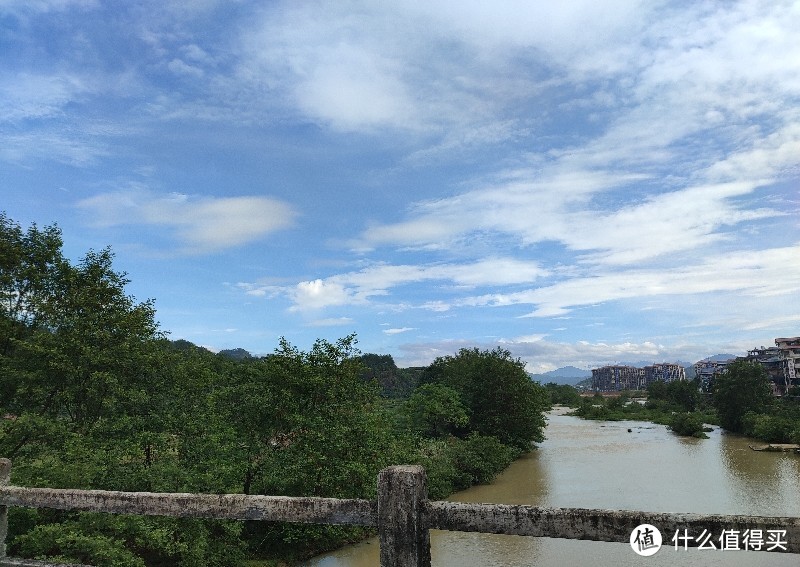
744,397
454,464
92,395
434,410
687,424
743,387
563,394
780,425
501,399
393,382
683,395
478,458
660,411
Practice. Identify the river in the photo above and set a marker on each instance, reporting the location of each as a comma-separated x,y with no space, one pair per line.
597,464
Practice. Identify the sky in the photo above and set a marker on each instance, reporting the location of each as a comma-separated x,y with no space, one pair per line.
579,183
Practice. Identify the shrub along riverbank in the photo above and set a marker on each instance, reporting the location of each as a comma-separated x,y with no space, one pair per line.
739,401
93,396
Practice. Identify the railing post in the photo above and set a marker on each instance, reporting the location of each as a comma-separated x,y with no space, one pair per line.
5,477
402,527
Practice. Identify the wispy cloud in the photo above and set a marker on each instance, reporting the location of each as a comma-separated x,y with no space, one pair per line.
359,287
544,355
201,224
332,322
762,273
483,168
397,331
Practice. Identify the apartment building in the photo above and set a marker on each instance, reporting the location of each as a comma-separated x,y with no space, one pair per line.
617,377
665,372
789,349
707,370
771,361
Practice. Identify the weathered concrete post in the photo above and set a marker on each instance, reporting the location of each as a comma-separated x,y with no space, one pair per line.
402,529
5,477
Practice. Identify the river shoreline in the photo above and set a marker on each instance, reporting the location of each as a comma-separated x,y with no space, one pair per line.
593,464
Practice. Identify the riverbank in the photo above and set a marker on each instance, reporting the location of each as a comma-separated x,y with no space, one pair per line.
777,447
684,419
583,465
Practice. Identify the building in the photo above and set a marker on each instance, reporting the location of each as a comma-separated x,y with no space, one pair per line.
771,361
616,378
665,372
790,360
707,370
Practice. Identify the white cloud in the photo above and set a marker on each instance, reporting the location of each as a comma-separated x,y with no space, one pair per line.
357,288
763,273
332,322
430,67
25,96
202,224
180,67
22,8
562,210
398,331
542,355
317,294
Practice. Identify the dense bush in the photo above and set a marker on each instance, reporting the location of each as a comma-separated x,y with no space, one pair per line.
501,399
94,396
563,394
687,424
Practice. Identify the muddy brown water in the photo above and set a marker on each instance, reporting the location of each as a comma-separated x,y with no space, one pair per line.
591,464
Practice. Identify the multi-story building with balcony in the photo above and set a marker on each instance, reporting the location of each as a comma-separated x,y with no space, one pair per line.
771,361
707,370
665,372
790,360
615,378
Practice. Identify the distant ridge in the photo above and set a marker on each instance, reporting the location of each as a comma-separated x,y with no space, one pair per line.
720,357
566,375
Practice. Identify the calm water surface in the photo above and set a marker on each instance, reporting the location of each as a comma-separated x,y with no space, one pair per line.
591,464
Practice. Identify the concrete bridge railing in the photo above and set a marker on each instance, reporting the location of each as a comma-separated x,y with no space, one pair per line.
403,516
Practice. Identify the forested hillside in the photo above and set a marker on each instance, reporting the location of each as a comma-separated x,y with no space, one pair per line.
94,395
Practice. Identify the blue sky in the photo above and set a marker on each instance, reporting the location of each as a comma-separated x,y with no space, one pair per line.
579,182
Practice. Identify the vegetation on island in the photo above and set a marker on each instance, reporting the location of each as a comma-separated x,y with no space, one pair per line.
739,400
94,396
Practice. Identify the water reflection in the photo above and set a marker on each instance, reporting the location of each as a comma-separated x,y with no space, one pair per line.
756,482
604,465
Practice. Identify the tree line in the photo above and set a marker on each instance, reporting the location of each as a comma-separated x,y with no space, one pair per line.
93,395
739,400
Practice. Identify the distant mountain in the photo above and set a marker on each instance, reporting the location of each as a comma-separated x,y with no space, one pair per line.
235,354
643,363
720,357
568,372
566,375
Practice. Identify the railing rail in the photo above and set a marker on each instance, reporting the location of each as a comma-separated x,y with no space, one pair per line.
403,516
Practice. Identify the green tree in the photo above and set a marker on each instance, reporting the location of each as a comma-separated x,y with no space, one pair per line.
435,410
656,390
502,400
684,393
687,424
743,387
74,348
86,355
563,394
306,424
97,403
